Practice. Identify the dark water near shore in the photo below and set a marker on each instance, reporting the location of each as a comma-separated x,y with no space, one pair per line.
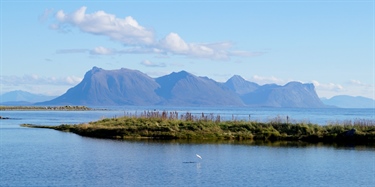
44,157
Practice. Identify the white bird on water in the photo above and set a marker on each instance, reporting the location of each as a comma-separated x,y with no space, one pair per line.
199,156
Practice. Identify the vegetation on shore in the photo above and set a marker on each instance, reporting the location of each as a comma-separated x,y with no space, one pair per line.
169,125
60,108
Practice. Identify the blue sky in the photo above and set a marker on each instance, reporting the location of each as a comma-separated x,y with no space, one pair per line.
48,46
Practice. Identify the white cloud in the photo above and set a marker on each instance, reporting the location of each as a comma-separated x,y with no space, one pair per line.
355,82
327,86
102,51
138,39
126,30
203,51
267,80
152,64
38,80
174,44
156,74
73,80
140,50
359,83
361,89
352,88
38,84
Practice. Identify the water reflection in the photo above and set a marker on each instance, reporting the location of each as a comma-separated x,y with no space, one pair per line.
286,144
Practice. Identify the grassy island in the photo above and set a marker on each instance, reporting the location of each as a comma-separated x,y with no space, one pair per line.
58,108
169,125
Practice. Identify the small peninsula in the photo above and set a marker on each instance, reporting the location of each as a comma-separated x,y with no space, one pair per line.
171,125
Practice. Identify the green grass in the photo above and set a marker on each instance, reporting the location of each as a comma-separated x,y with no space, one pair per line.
164,125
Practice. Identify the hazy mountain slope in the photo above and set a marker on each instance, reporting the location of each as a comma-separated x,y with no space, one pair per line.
345,101
183,88
19,96
239,85
131,87
260,96
111,87
293,94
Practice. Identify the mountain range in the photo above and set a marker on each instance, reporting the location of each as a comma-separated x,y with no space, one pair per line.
345,101
131,87
19,97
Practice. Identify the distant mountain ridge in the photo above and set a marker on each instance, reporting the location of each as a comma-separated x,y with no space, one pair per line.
293,94
132,87
19,97
346,101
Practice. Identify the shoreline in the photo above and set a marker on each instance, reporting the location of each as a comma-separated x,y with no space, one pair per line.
45,108
161,126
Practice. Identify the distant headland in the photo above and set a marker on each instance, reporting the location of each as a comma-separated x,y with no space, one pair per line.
43,108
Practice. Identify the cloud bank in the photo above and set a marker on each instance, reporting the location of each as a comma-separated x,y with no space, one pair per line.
328,86
148,63
126,30
268,80
39,80
138,39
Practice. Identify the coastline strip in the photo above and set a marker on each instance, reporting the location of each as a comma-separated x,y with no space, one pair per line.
46,108
163,126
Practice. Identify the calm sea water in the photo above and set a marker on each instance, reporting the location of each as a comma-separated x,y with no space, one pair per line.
44,157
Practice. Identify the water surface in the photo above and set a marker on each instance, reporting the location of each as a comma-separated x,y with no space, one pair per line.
45,157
